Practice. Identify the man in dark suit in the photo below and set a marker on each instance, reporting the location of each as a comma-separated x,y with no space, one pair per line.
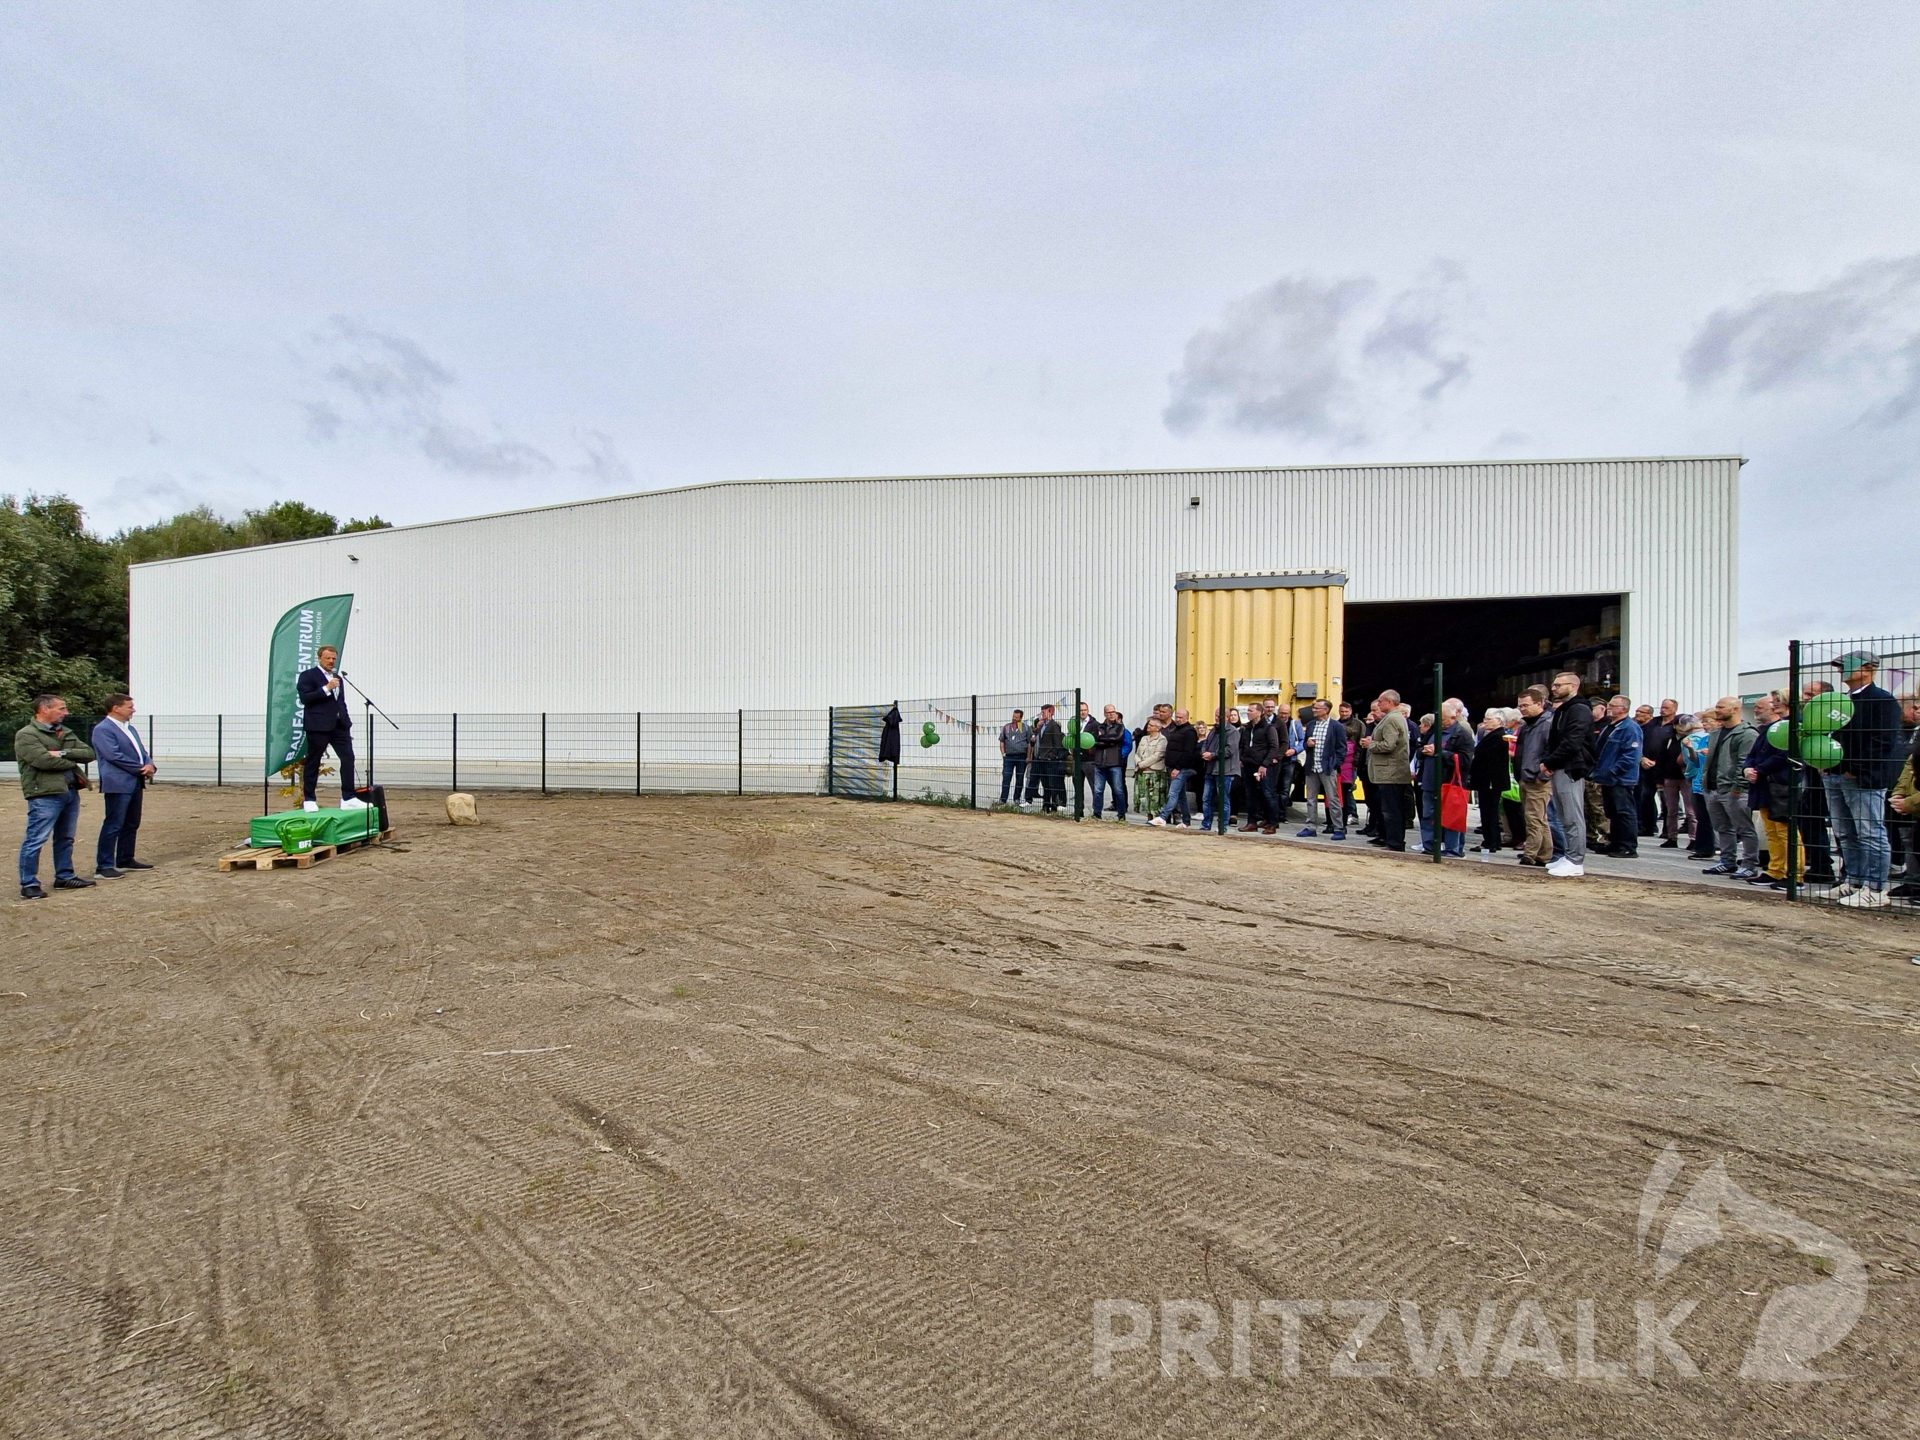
327,723
125,769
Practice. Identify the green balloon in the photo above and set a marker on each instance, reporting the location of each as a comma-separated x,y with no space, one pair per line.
929,736
1822,752
1824,714
1778,734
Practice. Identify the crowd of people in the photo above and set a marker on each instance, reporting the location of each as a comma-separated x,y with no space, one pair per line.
1553,777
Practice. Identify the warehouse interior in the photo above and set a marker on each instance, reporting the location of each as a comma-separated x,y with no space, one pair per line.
1491,649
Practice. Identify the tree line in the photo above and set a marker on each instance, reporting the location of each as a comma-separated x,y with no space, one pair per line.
63,589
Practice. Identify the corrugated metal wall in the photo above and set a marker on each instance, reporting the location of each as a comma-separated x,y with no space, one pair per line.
1241,629
805,593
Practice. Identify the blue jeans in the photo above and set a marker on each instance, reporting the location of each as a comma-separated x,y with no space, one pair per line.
1179,783
1013,770
1452,842
1112,780
1860,828
1218,791
58,816
1559,835
119,831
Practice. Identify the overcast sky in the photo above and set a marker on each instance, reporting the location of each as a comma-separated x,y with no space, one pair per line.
432,259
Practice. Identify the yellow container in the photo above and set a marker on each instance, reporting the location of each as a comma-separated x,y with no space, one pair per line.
1267,635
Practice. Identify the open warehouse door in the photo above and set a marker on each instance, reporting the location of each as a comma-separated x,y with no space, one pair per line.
1492,649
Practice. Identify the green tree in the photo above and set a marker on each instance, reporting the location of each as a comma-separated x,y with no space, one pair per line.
63,591
288,520
191,532
63,607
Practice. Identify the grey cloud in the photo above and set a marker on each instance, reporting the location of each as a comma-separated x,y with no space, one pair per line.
1864,325
604,461
323,420
1300,358
1414,331
399,390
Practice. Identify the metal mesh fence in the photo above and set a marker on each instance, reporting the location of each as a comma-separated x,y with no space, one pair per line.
730,751
1844,732
949,746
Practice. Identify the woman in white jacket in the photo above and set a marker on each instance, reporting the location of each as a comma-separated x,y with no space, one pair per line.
1147,771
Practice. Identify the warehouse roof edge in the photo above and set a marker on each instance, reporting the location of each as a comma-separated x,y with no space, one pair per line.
978,475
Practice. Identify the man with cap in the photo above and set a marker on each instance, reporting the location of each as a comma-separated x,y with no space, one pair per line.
1857,786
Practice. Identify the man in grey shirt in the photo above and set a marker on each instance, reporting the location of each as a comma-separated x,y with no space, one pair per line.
1015,740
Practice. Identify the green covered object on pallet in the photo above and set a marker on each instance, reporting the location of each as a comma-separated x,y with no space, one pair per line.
331,826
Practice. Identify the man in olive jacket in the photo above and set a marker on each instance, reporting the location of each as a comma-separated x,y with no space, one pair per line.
1390,771
52,762
1723,785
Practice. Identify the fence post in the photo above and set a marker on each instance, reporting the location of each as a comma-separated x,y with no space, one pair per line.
219,749
973,755
1793,770
1221,740
637,732
829,750
1079,795
740,754
543,752
1439,699
456,749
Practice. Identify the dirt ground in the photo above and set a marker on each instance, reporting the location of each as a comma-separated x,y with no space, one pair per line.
711,1117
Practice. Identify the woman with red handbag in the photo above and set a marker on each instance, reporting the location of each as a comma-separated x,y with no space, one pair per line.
1444,777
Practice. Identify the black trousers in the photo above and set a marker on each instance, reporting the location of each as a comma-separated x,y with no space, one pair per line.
1623,817
317,743
1394,801
1816,860
1280,790
1489,801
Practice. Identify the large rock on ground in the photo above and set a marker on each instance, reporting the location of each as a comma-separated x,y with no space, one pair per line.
460,810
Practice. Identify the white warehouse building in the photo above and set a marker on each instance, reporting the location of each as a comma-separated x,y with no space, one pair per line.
809,593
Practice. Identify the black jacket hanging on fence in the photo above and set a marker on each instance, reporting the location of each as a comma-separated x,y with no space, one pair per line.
890,736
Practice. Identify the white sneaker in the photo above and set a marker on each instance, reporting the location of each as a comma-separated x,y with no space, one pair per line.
1565,869
353,804
1843,890
1864,899
1156,821
309,804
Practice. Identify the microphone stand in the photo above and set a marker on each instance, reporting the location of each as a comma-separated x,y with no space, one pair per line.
371,710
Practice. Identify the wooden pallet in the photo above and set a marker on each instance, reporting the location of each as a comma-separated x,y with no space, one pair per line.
274,858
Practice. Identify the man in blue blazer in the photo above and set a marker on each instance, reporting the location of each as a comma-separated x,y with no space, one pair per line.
328,722
125,768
